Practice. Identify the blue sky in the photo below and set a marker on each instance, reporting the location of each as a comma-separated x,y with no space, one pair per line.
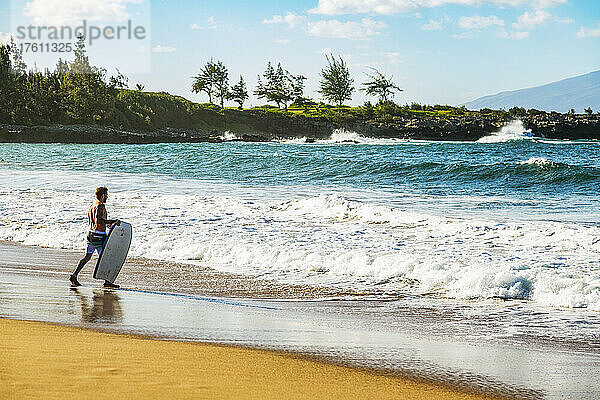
439,51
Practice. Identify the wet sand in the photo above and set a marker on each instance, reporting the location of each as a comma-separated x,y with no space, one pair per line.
165,276
40,360
368,336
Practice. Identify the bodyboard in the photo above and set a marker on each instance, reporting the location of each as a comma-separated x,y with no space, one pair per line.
115,251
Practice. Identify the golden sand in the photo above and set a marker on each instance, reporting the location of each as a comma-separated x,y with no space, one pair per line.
44,361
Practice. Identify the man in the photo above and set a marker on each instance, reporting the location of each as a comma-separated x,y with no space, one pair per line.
96,237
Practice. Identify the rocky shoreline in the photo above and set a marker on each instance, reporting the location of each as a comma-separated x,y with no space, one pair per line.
254,126
564,126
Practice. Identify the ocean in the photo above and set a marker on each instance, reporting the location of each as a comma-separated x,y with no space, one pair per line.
508,225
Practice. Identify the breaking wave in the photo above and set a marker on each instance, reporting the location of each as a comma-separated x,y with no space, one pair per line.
513,130
331,240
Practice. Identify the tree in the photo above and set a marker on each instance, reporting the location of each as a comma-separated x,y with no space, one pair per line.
83,92
119,82
81,64
7,83
297,89
213,79
304,102
336,83
379,85
220,77
279,85
239,93
18,65
588,111
203,84
517,111
368,110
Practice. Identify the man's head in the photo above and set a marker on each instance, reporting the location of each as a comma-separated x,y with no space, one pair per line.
102,194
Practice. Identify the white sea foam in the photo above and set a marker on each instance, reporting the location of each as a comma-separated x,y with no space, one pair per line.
325,239
301,140
228,136
343,136
514,130
539,161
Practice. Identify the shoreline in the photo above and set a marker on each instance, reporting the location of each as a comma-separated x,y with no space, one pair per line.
159,275
128,365
253,126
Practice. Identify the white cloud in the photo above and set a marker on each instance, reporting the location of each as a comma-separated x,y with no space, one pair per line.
434,25
530,20
333,28
565,21
370,64
291,19
388,7
211,23
514,35
163,49
479,22
588,32
464,35
393,57
63,13
519,35
282,41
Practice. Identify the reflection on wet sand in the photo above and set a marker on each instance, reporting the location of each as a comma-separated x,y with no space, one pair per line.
105,306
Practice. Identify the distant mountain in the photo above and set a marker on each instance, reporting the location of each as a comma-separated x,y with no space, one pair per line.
579,92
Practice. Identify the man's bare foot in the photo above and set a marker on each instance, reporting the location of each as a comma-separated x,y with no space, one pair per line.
74,281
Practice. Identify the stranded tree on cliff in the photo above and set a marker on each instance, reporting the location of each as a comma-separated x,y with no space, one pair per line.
279,86
238,93
336,83
213,79
380,85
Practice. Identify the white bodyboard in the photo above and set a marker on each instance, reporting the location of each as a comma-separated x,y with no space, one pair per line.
115,251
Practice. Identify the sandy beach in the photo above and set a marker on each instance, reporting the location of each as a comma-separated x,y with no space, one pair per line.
41,360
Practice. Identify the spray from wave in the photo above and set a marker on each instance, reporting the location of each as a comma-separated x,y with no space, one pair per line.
514,130
344,136
229,137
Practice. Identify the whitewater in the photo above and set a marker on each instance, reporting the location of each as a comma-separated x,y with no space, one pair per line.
500,219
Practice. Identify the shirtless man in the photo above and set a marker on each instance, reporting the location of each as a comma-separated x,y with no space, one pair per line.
96,237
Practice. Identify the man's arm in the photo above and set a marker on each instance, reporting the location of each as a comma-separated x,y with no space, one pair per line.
102,216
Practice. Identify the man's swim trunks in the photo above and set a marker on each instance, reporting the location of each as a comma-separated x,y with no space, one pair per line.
95,241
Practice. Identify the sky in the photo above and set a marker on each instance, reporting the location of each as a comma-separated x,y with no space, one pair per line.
438,51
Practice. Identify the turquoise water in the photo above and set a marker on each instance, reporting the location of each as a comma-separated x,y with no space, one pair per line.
547,179
515,220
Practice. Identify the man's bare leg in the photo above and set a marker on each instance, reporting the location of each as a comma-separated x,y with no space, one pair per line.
82,262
